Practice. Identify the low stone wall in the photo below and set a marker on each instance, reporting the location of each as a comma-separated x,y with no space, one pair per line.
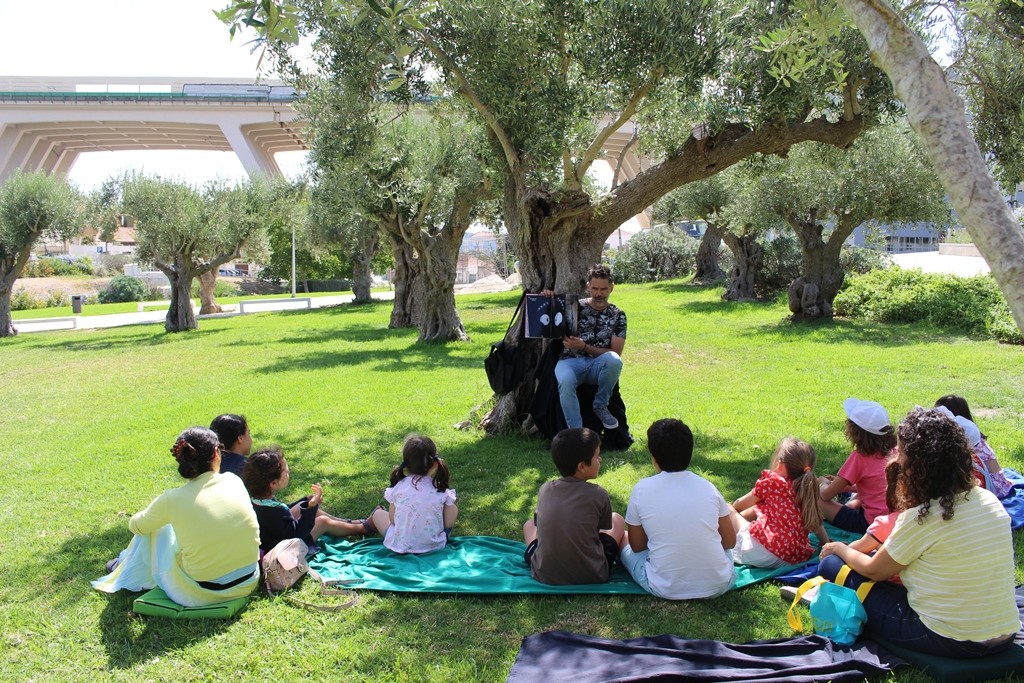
958,250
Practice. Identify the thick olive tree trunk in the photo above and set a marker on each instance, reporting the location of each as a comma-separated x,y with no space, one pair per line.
439,320
180,315
747,259
707,269
362,270
811,295
936,113
403,310
6,321
207,286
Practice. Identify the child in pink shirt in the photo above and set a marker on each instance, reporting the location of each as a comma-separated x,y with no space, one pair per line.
869,430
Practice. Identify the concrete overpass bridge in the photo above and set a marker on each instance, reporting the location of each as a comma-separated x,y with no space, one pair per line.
46,123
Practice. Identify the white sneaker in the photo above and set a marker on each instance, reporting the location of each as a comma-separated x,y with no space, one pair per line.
787,593
606,418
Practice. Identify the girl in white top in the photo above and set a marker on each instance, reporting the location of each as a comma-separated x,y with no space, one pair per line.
421,510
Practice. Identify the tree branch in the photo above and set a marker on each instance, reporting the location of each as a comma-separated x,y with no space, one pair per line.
625,115
730,146
511,154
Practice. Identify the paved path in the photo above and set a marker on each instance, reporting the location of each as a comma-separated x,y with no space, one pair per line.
934,262
86,322
928,261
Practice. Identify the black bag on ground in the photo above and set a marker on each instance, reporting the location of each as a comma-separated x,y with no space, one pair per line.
504,364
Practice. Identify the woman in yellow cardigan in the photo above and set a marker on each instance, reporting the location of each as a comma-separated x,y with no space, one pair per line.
198,542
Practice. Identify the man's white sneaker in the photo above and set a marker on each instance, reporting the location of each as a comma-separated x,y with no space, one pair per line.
606,418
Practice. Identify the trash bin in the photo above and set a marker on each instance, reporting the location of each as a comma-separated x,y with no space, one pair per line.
76,303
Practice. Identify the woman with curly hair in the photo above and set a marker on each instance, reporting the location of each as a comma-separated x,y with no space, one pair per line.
951,544
200,541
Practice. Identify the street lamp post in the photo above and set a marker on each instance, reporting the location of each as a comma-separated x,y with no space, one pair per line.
293,260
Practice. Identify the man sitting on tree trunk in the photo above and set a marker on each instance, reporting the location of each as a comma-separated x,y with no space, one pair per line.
593,356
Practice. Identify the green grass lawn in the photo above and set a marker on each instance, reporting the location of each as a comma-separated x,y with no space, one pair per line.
89,417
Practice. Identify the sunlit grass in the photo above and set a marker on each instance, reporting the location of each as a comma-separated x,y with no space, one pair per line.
89,417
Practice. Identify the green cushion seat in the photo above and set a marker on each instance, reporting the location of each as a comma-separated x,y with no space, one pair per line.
155,603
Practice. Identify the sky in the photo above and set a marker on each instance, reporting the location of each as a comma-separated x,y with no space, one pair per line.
97,38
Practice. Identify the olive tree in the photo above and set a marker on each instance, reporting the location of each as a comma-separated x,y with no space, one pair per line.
185,232
33,206
822,194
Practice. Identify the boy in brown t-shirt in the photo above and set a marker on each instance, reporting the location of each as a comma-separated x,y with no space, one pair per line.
574,536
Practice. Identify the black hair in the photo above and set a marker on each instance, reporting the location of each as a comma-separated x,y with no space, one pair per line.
194,450
570,447
419,456
229,428
671,443
958,406
601,272
262,469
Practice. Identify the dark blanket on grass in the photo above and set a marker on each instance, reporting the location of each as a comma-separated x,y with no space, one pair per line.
560,657
484,565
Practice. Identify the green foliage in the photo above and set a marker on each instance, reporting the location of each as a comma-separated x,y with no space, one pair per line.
124,288
34,206
662,253
24,300
50,267
781,265
220,289
990,73
972,305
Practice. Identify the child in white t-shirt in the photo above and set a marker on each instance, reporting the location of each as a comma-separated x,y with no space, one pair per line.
679,533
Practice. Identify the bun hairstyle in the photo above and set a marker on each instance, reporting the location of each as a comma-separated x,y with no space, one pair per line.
419,456
194,450
261,469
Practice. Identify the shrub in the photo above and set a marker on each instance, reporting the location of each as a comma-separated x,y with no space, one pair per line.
972,305
782,263
661,253
860,260
221,288
24,300
62,265
124,288
56,298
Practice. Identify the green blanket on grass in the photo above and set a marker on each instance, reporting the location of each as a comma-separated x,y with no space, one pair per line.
483,565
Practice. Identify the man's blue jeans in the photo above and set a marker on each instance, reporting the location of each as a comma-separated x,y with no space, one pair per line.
603,370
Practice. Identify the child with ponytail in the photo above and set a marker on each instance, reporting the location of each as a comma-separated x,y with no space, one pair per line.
773,520
422,510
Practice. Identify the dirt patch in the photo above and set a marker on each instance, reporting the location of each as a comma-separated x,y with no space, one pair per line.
41,286
491,283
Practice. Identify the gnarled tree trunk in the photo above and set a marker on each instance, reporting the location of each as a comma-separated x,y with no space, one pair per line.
180,315
362,271
747,259
403,311
207,285
811,295
6,321
707,269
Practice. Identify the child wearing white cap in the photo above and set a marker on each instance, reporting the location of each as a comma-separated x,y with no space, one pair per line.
869,430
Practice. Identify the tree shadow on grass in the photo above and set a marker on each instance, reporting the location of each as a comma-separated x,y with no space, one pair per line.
108,341
413,358
888,335
676,286
79,559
